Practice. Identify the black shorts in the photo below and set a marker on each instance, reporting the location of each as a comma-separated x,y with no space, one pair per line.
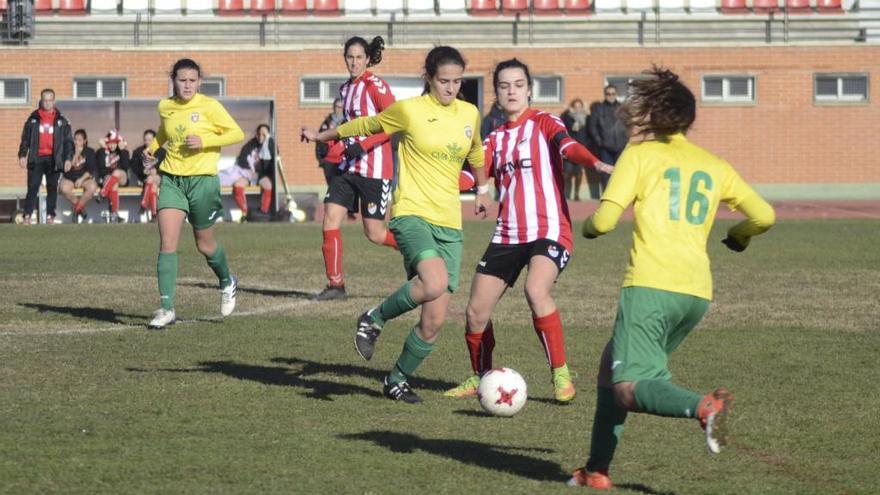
506,261
349,190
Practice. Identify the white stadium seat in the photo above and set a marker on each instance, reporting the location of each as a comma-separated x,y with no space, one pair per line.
452,7
607,6
389,6
357,7
639,5
197,6
671,5
420,7
702,5
103,7
135,6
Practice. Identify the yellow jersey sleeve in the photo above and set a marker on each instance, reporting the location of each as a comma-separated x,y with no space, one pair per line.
476,156
391,120
624,182
226,130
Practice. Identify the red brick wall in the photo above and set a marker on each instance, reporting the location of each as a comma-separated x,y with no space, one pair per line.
783,138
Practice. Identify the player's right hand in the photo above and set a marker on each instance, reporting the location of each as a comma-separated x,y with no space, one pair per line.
735,245
22,162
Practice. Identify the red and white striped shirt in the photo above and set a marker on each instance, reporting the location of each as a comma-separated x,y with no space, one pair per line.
366,96
525,158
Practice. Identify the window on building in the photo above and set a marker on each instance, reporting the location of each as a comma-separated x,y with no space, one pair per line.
213,86
728,88
319,89
14,90
109,87
840,88
547,88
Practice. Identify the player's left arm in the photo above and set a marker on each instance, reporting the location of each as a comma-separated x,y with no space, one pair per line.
760,216
226,129
553,127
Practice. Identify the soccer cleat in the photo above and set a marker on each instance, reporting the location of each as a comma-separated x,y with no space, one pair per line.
468,388
227,297
162,318
713,412
50,219
331,292
366,335
400,391
563,387
81,217
597,480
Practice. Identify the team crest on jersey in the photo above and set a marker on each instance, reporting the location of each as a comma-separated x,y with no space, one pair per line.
371,207
468,131
194,117
552,251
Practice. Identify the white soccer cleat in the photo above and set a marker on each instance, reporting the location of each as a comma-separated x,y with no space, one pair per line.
162,318
227,297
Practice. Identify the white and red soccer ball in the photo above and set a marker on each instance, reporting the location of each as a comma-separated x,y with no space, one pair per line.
502,392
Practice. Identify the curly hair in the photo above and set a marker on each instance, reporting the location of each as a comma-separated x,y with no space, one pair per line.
661,105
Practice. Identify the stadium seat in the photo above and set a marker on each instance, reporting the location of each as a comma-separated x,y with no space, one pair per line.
513,7
357,7
733,6
546,7
72,7
671,5
797,5
3,6
171,7
43,7
230,7
294,7
702,5
765,5
639,5
259,7
451,7
389,6
420,7
103,7
829,6
196,7
577,7
133,6
326,7
483,7
607,6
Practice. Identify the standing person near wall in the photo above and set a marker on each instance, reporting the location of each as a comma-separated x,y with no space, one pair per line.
81,175
607,131
675,188
193,129
367,170
46,149
575,120
438,132
525,156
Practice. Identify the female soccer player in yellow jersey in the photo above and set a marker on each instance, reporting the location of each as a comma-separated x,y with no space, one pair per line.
193,128
676,187
438,133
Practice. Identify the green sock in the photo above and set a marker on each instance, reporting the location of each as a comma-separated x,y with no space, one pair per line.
395,305
415,350
663,398
166,269
607,429
217,262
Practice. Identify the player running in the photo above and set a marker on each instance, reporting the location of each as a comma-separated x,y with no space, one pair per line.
438,133
675,187
367,169
193,128
533,228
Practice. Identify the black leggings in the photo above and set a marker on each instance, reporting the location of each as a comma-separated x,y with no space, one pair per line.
44,165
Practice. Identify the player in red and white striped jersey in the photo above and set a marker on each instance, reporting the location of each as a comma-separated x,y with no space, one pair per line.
367,168
525,156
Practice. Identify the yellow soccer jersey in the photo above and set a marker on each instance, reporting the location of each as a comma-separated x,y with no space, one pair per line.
435,141
676,187
201,116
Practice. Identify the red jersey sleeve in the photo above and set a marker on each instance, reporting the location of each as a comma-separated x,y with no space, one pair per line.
380,93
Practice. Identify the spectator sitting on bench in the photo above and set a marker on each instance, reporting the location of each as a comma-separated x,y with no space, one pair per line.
82,173
256,163
113,161
146,172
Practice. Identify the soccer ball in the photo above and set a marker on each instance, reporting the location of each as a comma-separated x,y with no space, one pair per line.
502,392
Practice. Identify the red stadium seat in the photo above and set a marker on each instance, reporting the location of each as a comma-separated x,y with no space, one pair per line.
73,7
797,6
3,6
262,6
43,6
293,7
577,7
326,7
513,7
829,6
765,5
483,7
230,7
733,6
547,7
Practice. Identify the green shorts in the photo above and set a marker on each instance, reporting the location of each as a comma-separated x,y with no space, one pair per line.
651,323
419,240
197,195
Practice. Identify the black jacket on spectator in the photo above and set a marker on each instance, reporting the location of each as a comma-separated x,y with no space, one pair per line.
493,120
136,165
606,129
580,135
88,164
62,145
321,149
264,168
101,158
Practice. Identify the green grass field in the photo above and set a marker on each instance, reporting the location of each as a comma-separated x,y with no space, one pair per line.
274,398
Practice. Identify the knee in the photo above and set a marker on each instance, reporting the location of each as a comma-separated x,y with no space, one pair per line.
536,295
477,318
625,397
206,247
436,286
376,236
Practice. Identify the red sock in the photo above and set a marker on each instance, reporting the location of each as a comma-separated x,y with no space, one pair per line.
549,330
390,241
240,200
480,347
108,185
148,192
332,249
266,200
78,207
114,201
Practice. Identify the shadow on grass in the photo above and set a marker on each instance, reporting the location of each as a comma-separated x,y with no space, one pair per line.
262,291
488,456
640,488
97,314
314,367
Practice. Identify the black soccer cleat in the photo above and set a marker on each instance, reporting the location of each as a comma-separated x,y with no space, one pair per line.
365,336
400,391
330,293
